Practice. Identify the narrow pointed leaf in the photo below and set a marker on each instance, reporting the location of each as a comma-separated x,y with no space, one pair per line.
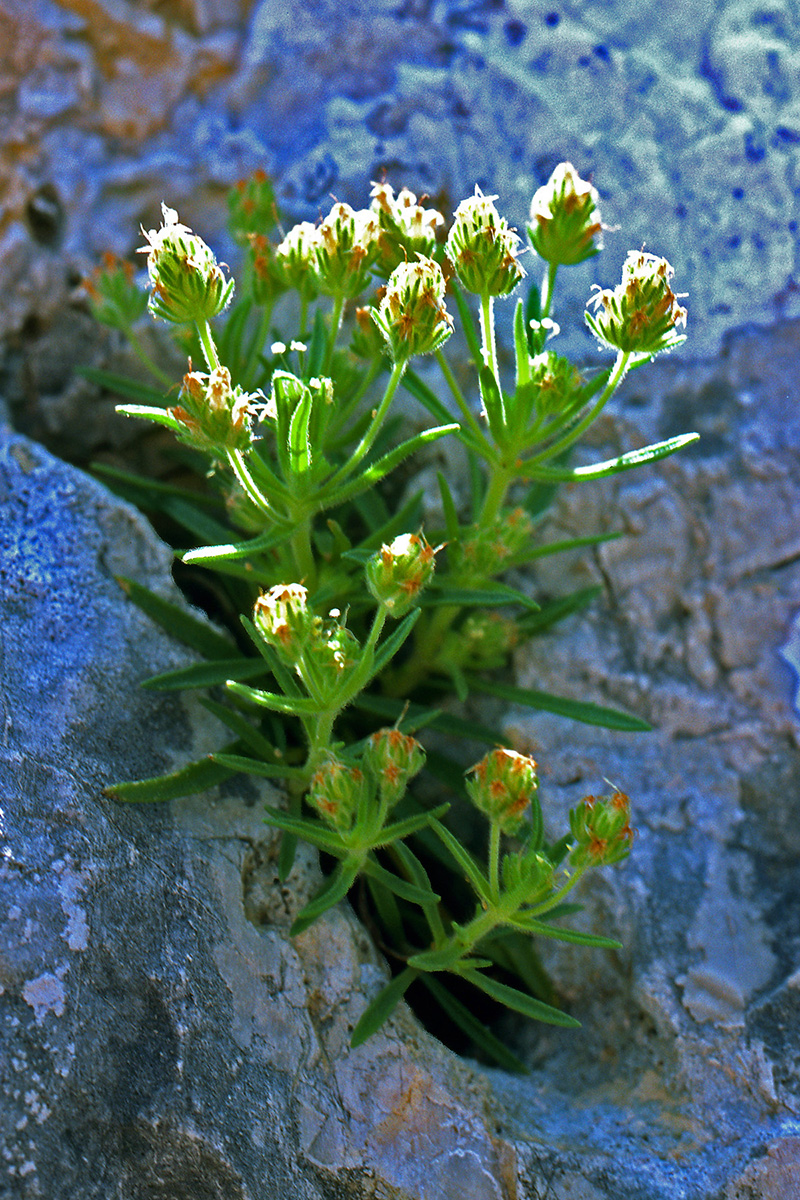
387,650
520,1002
464,859
205,674
257,766
472,1026
406,518
576,710
295,706
409,825
385,465
522,355
123,386
544,929
550,614
186,781
334,889
441,592
299,443
612,466
468,324
449,506
242,727
159,415
313,832
234,550
379,1009
181,625
406,891
493,403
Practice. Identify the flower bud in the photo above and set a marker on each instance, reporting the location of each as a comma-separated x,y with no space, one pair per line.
251,208
532,871
214,417
297,258
113,295
395,758
412,316
367,341
346,249
483,249
188,283
565,222
406,228
642,313
491,549
397,573
602,830
335,792
502,785
333,653
284,620
556,382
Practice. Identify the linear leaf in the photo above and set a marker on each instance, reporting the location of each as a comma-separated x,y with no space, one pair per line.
464,859
382,1006
242,727
185,628
544,929
406,891
295,706
159,415
334,889
310,831
472,1026
468,324
257,766
612,466
383,466
194,777
440,592
449,506
387,650
234,550
205,674
409,825
520,1002
122,385
562,706
556,610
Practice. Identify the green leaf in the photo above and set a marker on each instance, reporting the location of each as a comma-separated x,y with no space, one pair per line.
205,674
493,403
389,708
475,1030
522,356
406,891
123,386
194,777
257,766
242,727
286,680
334,889
387,650
520,1002
468,324
576,710
445,958
556,610
464,860
374,473
613,466
313,832
317,346
159,415
513,951
295,706
185,628
543,929
408,517
233,550
561,547
388,912
409,825
299,441
382,1006
449,506
441,592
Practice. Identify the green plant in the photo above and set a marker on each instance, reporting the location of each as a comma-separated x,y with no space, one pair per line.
351,615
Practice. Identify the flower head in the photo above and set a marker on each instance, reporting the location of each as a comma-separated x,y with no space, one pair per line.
601,829
565,221
483,248
347,246
336,791
397,573
406,227
502,785
394,758
642,314
412,316
187,282
213,416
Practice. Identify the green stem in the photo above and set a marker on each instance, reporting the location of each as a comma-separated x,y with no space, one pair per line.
487,333
146,360
548,287
458,396
207,342
494,861
365,445
303,553
250,488
499,484
616,377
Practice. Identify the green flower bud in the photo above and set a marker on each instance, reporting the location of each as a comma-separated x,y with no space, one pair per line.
336,791
346,249
285,621
483,249
565,222
367,341
642,313
484,640
113,295
297,259
491,549
602,830
214,417
394,758
406,228
502,785
397,573
188,283
532,871
251,208
412,316
333,653
556,382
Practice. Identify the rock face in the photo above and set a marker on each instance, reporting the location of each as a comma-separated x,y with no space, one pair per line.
162,1036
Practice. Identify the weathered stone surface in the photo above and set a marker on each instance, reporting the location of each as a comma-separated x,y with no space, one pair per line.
690,127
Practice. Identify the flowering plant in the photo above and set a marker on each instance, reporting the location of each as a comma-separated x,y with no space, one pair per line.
351,615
